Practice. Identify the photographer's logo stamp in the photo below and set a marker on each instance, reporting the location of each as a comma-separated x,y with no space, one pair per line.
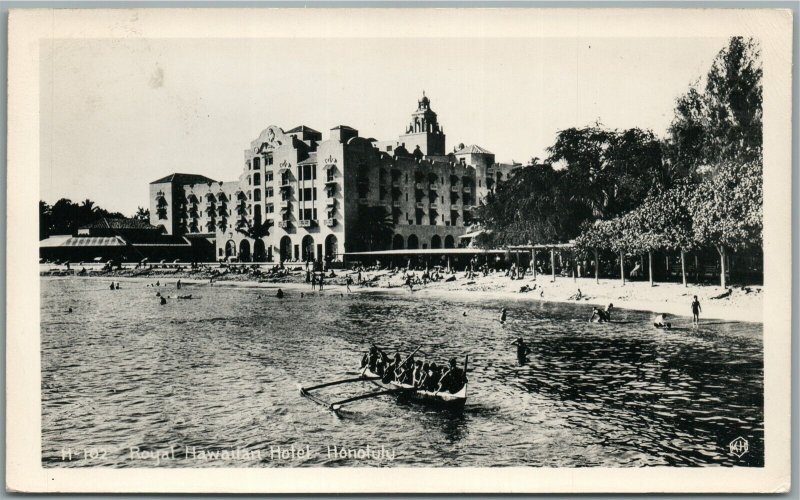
739,446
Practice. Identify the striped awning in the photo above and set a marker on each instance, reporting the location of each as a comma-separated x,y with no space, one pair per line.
94,241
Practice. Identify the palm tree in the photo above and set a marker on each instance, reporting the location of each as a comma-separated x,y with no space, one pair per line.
374,229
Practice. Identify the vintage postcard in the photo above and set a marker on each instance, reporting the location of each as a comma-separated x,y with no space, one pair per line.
399,250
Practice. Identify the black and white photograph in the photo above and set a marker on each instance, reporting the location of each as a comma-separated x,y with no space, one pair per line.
315,241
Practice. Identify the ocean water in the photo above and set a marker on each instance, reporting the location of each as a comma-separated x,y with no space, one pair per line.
212,382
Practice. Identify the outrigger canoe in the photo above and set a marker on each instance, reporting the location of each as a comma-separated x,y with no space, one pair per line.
443,398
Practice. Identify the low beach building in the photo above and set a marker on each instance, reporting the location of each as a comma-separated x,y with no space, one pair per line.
301,197
116,239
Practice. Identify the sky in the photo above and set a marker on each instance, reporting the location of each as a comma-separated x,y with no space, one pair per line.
118,114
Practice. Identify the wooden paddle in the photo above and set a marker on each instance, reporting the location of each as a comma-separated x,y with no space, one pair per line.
405,361
304,390
335,406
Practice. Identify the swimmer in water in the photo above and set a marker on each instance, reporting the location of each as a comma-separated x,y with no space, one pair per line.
163,301
503,315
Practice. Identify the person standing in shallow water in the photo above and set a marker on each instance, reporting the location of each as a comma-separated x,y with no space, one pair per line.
503,315
696,310
522,350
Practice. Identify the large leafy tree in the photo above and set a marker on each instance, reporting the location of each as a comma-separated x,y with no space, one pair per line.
533,206
720,118
727,210
65,216
610,171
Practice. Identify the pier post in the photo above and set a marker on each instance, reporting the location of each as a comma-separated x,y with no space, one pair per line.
553,263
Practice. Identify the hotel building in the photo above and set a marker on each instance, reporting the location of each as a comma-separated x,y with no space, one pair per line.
321,198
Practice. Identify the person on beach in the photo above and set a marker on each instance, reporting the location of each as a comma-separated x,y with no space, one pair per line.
314,281
522,350
279,294
503,315
178,285
163,301
158,283
696,310
409,283
112,286
69,310
348,282
321,281
117,287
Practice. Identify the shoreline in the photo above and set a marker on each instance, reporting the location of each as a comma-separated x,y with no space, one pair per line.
744,304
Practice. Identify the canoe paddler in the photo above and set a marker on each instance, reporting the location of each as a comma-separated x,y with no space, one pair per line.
453,379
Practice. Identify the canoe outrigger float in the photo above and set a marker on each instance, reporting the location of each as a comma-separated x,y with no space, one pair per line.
442,399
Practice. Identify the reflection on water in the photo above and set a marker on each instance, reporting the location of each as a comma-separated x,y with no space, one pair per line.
220,372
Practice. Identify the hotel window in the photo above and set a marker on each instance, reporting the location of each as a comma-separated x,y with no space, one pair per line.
306,172
269,192
268,177
268,160
257,179
256,163
388,148
480,183
308,214
330,175
270,209
257,195
307,194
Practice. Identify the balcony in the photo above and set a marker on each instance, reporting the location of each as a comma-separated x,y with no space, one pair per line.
330,222
421,186
305,223
382,203
433,187
285,203
467,189
397,204
331,181
434,206
287,187
284,224
396,184
420,205
453,189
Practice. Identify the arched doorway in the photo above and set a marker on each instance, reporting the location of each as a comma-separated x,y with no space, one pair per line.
244,251
449,241
331,247
286,248
436,241
397,242
413,242
308,248
259,251
230,249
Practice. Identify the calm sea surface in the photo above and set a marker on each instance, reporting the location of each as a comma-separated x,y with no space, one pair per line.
213,382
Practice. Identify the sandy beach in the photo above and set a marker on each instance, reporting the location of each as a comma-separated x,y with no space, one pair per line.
743,303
